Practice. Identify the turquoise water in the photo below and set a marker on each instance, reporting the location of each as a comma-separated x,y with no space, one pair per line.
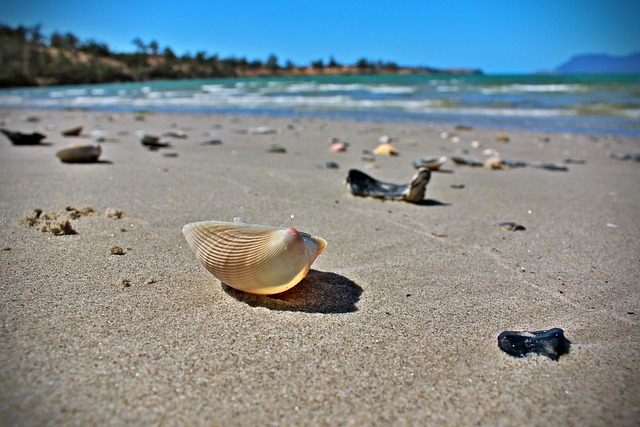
595,104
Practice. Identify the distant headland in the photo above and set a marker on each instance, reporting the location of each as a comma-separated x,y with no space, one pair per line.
601,63
29,58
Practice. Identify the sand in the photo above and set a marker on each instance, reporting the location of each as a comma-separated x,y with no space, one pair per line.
396,324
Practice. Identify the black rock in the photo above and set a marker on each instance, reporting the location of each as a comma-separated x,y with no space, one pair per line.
19,138
551,343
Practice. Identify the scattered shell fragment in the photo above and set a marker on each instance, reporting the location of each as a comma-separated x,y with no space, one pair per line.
257,259
466,161
338,147
385,149
19,138
361,184
328,165
99,135
178,134
262,130
502,137
574,161
514,163
625,156
555,167
550,343
80,153
75,131
511,226
213,141
114,213
151,141
494,163
275,148
431,163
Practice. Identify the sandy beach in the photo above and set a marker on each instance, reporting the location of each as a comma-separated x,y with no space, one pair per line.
397,322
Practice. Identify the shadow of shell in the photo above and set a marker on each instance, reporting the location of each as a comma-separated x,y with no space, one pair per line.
319,292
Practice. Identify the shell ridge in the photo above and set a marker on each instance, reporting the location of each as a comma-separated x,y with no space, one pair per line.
253,258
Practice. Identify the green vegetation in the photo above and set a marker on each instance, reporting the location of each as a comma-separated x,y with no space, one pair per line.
28,58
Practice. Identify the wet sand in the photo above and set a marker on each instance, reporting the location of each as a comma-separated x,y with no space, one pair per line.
396,324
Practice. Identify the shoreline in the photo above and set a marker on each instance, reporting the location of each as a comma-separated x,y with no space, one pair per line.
397,323
434,119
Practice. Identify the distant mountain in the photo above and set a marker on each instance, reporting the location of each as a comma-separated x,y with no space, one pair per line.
600,63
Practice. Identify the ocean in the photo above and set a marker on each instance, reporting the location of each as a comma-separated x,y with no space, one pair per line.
592,104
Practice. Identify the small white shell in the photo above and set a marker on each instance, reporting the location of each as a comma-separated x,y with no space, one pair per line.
258,259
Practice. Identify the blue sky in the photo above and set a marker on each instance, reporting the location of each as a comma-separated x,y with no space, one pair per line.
497,36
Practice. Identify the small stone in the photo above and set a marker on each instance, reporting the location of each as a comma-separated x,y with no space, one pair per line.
124,282
275,148
502,137
328,165
114,213
511,226
61,228
117,250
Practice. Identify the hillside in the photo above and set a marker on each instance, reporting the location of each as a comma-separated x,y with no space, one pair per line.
27,58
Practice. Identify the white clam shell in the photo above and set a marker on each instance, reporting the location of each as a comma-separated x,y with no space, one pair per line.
257,259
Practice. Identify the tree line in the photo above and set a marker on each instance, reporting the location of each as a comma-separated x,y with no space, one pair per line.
29,58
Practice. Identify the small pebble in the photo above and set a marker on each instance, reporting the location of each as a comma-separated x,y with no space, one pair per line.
114,213
117,250
511,226
328,165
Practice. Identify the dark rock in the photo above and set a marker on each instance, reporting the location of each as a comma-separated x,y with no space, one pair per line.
551,343
19,138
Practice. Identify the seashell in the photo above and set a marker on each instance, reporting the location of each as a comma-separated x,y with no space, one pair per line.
80,153
385,139
385,149
178,134
19,138
73,131
328,165
494,163
98,135
257,259
514,163
556,167
338,147
502,137
262,130
276,148
466,160
362,184
431,163
511,226
213,141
